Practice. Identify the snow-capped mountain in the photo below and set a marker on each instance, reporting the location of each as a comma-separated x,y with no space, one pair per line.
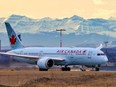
26,25
78,29
74,24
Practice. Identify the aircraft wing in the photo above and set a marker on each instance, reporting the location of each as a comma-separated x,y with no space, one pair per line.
35,58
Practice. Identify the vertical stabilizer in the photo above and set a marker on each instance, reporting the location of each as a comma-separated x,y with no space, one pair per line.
15,43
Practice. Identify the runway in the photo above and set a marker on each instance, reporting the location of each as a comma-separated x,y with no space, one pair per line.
102,69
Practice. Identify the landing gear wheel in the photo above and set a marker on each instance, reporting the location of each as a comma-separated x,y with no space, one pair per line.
68,68
65,68
96,68
43,69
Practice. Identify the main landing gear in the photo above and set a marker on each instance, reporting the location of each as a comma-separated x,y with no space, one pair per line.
65,68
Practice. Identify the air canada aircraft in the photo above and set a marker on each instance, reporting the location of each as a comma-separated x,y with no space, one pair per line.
46,57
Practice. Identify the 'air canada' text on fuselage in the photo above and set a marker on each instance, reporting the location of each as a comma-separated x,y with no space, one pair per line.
76,52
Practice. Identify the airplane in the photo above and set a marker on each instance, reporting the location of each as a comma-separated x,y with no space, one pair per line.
47,57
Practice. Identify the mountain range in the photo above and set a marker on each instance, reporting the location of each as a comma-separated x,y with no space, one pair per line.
42,32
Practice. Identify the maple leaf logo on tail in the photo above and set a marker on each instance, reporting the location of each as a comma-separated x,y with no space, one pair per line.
13,40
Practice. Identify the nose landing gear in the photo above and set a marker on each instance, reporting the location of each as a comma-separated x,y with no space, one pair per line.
96,68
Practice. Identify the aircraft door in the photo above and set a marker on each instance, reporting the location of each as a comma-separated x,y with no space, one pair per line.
21,52
41,53
89,54
72,59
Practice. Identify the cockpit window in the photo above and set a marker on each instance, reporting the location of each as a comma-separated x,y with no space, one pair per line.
100,54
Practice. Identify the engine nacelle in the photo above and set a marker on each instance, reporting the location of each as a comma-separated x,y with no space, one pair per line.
45,63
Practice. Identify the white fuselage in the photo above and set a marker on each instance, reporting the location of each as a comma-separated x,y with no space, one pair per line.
71,56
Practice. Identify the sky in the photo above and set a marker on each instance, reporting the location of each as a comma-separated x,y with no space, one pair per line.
59,8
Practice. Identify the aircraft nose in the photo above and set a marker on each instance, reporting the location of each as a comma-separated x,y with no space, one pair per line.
105,59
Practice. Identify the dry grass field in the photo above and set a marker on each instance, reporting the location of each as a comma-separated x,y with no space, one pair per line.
35,78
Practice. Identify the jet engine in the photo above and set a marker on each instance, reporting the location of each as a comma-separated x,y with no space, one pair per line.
45,63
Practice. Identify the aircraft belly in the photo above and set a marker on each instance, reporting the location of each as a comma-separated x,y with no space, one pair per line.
60,62
74,61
